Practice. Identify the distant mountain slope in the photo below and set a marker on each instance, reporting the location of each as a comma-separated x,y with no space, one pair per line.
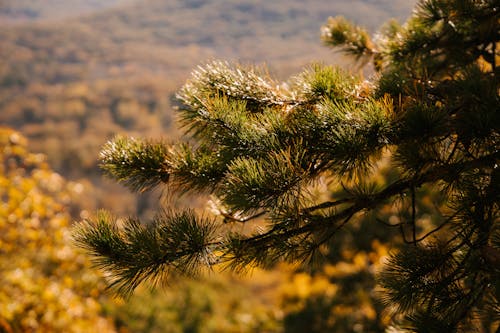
257,30
14,11
18,11
157,36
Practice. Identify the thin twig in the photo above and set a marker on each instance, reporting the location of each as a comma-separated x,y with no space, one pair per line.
232,218
413,214
403,234
327,204
334,231
438,228
454,149
388,224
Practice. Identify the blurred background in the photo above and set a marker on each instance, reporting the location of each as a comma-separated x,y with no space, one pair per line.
73,74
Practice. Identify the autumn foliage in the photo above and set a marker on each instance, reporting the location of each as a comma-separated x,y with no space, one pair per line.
47,286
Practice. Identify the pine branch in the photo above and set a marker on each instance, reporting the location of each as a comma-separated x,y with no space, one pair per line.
132,252
181,242
197,169
250,85
353,40
138,164
320,82
371,201
254,183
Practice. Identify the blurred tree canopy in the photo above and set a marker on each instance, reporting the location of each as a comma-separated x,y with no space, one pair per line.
304,157
47,286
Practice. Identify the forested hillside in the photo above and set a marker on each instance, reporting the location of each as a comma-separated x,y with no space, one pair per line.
47,286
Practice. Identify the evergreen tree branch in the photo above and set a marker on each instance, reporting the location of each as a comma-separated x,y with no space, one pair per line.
140,165
353,40
132,252
398,187
242,84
